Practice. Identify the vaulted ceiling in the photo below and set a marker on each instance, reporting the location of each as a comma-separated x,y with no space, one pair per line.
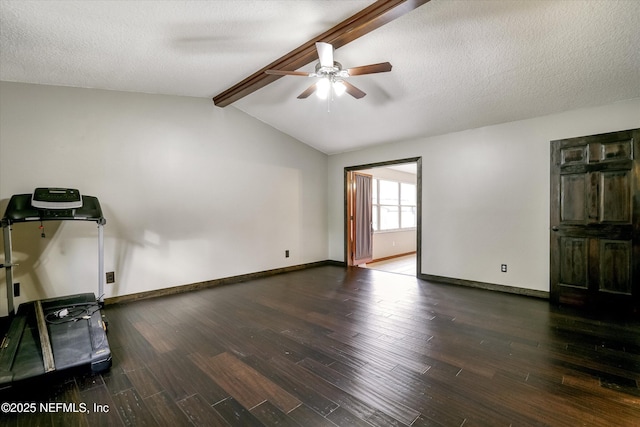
456,64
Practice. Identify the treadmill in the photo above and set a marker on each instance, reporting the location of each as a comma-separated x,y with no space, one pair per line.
55,334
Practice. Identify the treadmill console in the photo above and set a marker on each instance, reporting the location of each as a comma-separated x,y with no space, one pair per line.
56,198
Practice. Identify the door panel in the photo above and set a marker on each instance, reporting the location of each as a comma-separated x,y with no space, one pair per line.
573,262
615,266
616,150
573,208
595,214
615,193
574,155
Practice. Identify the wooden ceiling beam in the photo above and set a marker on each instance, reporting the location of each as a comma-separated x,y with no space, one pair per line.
363,22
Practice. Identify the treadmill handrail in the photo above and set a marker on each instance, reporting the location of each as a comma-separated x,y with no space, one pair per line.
20,209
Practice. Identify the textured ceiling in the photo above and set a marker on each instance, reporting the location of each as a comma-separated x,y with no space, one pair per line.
456,64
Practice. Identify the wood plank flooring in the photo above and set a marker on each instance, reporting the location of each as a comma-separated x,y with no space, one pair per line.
331,346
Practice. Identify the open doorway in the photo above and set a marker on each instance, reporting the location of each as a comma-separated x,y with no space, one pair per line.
393,218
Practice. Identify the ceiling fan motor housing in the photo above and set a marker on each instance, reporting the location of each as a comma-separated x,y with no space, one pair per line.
331,73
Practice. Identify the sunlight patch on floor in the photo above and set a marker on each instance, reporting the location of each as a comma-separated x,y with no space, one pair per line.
400,265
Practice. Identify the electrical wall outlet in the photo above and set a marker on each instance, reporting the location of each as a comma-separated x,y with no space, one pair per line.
503,268
286,253
111,276
16,289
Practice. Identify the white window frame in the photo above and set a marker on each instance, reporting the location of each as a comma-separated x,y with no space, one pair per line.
376,206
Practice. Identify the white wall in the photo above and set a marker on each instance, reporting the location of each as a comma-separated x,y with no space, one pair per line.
485,193
191,192
392,243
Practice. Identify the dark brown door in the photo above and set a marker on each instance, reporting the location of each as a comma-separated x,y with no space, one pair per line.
595,214
360,244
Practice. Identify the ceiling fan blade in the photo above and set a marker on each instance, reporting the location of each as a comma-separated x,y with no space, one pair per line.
287,73
325,54
308,91
382,67
353,91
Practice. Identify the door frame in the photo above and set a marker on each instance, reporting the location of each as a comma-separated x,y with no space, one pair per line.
418,162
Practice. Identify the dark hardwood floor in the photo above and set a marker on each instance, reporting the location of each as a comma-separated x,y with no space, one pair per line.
351,347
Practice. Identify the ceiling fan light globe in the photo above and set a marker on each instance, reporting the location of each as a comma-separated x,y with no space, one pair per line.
339,88
322,88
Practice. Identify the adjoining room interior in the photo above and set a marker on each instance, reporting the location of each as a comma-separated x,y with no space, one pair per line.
394,218
220,171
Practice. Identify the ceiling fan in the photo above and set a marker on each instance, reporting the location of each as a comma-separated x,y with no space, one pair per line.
332,75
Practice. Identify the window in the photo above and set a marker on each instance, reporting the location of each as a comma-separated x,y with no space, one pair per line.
394,205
